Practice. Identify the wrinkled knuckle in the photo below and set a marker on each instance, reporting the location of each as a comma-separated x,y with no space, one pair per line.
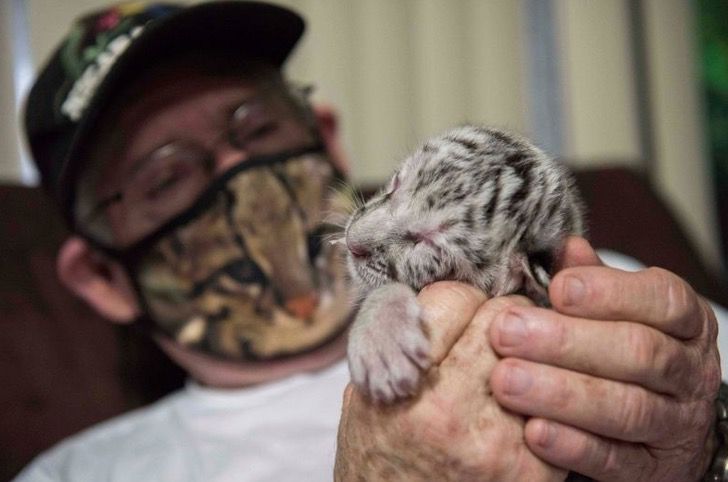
561,338
710,377
642,345
663,276
635,414
660,276
672,365
680,299
562,394
586,452
608,463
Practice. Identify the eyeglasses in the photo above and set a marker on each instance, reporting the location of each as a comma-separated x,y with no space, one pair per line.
170,178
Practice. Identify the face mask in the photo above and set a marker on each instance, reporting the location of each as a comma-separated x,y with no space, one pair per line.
245,273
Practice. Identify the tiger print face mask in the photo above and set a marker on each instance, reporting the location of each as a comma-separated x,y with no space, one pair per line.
245,272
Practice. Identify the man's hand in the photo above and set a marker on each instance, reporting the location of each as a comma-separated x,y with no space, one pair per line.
454,430
619,378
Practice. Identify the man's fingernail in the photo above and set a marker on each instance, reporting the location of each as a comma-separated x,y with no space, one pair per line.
511,330
574,290
518,381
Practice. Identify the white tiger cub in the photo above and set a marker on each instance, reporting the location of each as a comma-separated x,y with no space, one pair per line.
475,204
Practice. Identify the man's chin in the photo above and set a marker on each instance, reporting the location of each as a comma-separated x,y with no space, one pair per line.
218,372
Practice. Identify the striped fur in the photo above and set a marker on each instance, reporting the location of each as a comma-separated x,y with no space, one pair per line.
487,198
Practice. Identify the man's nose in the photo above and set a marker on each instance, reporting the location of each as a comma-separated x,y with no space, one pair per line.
227,156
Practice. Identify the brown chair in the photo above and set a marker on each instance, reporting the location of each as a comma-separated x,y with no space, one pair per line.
625,214
62,367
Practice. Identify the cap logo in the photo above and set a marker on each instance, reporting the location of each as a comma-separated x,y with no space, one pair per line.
85,86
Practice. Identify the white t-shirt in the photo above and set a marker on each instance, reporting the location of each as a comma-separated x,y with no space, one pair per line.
278,432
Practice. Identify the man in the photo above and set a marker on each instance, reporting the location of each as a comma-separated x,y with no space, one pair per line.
194,179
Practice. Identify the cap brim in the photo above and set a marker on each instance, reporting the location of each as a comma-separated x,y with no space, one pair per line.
246,30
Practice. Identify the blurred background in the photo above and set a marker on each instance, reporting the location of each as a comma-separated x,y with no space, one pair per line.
641,83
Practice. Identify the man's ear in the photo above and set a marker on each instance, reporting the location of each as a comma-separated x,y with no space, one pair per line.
101,282
328,123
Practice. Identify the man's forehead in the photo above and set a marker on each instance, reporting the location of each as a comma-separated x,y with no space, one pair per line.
177,102
178,91
174,82
176,79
